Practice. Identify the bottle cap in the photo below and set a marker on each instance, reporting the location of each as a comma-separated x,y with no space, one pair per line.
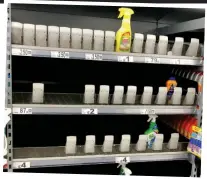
172,78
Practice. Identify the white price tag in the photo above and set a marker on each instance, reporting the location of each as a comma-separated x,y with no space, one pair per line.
175,61
22,52
56,54
148,111
21,165
90,56
22,110
122,160
152,60
125,59
90,111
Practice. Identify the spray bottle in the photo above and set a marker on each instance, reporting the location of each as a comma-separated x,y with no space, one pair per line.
124,170
152,130
170,84
123,35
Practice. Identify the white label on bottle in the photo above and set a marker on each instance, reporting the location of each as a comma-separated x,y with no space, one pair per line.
21,165
57,54
148,111
175,61
90,111
125,59
22,110
22,52
122,160
152,60
90,56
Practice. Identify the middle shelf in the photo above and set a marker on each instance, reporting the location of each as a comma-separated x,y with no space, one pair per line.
62,104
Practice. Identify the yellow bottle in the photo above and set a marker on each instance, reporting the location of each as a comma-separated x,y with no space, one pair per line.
123,35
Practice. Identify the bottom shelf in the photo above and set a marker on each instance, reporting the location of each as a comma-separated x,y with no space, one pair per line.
55,156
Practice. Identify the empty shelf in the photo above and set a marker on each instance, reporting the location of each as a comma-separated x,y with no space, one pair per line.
73,104
55,156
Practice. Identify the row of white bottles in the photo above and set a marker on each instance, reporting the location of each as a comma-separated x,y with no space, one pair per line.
120,98
131,95
108,144
88,39
63,37
161,47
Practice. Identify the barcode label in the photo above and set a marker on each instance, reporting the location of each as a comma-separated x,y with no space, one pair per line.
22,110
125,59
152,60
90,111
90,56
22,52
57,54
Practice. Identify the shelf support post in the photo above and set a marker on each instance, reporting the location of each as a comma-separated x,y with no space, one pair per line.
8,95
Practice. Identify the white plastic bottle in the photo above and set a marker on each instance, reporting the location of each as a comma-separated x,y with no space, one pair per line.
150,44
64,37
53,36
17,33
41,35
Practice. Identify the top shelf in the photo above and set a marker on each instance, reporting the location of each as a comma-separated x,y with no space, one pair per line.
49,52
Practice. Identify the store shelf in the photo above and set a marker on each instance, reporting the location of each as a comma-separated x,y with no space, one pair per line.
21,50
55,156
62,104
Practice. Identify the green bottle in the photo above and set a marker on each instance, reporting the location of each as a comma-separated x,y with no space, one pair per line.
151,131
124,170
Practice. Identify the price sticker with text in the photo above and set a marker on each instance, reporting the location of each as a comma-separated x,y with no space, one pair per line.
122,160
21,165
56,54
175,61
90,111
152,60
125,59
148,111
22,52
90,56
22,110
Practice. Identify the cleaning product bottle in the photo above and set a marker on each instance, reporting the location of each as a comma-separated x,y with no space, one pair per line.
124,170
170,84
123,35
152,130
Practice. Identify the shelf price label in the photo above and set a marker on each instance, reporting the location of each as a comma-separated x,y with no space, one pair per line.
125,59
22,52
175,61
90,111
57,54
22,110
148,111
152,60
90,56
122,160
21,165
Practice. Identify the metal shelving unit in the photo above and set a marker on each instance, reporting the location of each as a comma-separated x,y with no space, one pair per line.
62,104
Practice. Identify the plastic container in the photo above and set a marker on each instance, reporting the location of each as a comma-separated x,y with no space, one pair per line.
124,34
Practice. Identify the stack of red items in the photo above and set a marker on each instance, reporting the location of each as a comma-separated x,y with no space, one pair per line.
182,124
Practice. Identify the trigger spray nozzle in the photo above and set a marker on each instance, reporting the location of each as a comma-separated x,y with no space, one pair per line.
152,117
126,12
